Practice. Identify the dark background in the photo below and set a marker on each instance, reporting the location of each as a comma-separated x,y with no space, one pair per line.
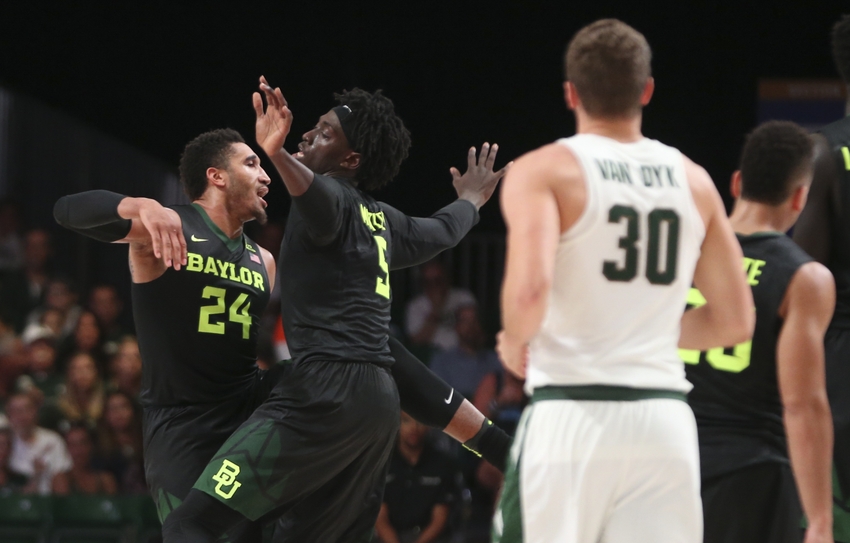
155,75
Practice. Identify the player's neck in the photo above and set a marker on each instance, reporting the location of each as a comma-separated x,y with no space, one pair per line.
410,454
752,217
623,130
219,215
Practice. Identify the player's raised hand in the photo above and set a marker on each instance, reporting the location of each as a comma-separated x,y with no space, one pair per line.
166,232
479,181
514,356
274,122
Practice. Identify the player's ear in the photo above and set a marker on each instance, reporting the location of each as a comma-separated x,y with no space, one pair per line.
216,177
799,197
735,184
648,89
571,95
351,161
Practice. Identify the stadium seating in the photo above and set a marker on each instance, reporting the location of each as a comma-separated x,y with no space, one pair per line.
78,519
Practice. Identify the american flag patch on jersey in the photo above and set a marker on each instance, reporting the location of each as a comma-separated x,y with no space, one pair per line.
255,258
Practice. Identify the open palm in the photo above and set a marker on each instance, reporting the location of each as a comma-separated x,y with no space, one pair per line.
274,122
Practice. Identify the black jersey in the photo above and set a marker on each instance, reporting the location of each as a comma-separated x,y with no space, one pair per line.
837,135
336,296
197,327
736,396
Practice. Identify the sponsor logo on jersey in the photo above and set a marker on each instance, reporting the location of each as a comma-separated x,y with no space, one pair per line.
225,270
197,239
226,479
250,247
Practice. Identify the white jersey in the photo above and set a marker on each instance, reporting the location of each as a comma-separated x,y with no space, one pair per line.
622,272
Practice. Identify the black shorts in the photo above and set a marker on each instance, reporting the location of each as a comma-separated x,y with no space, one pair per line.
752,505
179,441
317,449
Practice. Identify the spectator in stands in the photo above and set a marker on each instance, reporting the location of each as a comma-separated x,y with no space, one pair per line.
83,398
10,480
119,442
464,366
430,318
11,244
106,305
13,359
82,478
41,378
59,295
86,337
125,369
22,289
53,320
420,490
37,453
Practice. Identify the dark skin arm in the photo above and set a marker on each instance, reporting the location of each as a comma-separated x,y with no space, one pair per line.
812,231
272,128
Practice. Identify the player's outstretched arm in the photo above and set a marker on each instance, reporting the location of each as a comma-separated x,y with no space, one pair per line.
806,310
813,231
534,222
116,218
417,240
728,317
272,127
431,401
317,197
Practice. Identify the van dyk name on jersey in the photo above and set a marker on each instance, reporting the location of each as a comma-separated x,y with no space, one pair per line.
659,176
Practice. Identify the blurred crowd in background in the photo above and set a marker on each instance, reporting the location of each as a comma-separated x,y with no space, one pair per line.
71,370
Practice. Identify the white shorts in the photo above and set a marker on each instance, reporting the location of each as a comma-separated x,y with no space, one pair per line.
603,471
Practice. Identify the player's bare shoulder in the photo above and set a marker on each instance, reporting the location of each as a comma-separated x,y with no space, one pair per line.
812,290
552,169
704,193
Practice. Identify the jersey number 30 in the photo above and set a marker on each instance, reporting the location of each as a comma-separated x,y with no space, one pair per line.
655,273
237,313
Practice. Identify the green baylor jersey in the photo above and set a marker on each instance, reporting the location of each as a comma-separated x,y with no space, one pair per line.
198,326
736,396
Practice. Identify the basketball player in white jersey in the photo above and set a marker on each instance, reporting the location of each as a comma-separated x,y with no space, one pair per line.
606,232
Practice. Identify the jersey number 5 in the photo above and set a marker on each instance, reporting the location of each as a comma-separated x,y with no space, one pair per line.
614,271
383,285
237,313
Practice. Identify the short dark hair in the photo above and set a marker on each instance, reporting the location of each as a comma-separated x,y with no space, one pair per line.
841,47
210,149
609,63
380,135
775,154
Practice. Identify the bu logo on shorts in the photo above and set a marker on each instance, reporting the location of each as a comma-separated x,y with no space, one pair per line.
225,477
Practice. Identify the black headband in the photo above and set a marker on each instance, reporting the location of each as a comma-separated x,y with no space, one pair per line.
346,121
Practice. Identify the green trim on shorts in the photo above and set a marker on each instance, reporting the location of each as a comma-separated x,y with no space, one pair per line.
166,502
840,513
242,475
507,526
605,393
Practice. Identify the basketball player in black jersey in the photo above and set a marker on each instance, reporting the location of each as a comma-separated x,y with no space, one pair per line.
824,232
318,447
762,402
199,287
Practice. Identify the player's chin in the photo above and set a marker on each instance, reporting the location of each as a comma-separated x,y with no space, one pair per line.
260,216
